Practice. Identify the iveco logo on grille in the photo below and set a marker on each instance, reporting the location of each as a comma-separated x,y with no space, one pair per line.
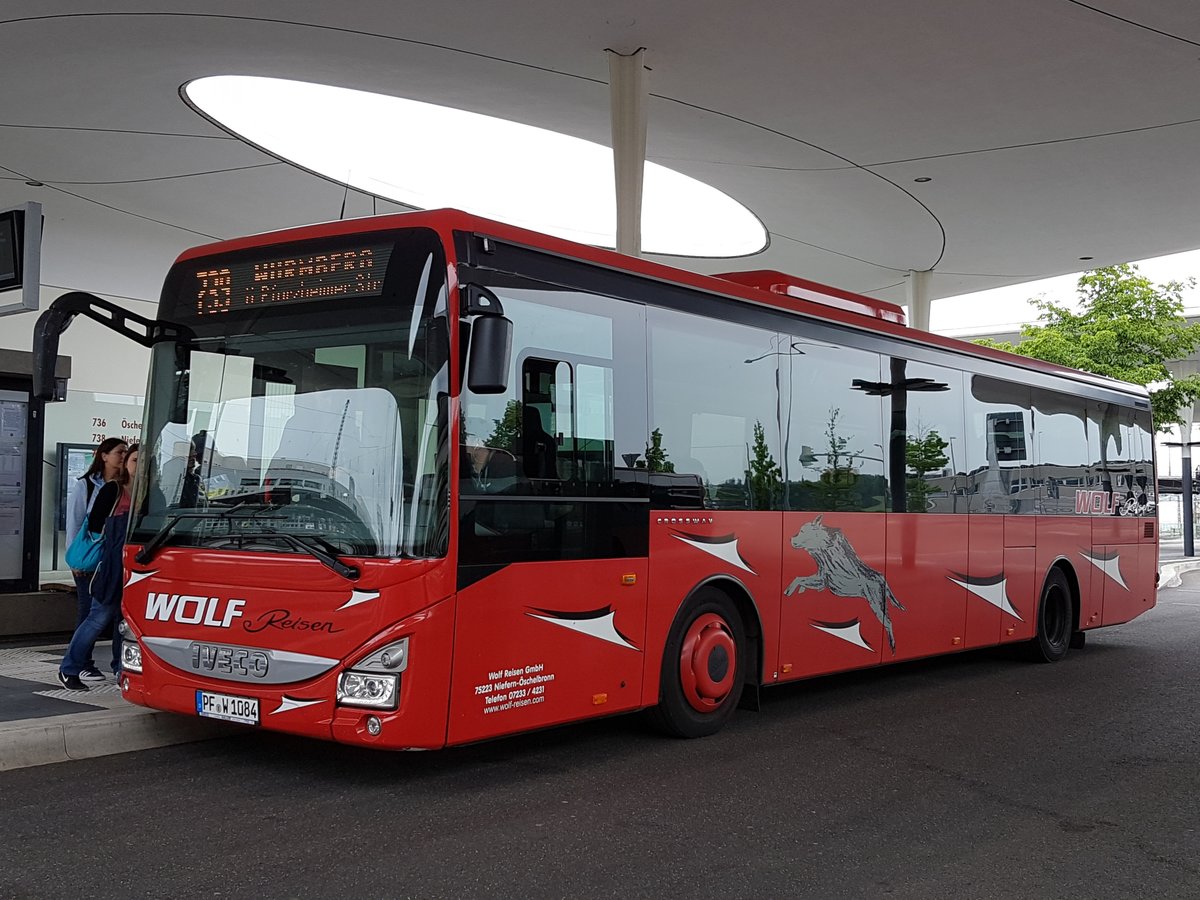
218,659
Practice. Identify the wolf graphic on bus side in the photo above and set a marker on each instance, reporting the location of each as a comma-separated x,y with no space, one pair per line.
840,571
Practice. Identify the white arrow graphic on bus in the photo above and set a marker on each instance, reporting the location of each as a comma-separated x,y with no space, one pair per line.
287,704
135,577
597,623
1109,564
850,632
724,548
994,590
357,597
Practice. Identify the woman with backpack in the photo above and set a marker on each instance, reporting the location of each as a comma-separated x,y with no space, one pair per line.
107,465
109,517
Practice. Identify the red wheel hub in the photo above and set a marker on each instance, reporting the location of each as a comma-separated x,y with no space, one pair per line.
707,663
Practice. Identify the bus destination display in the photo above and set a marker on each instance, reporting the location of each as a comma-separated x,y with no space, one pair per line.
354,272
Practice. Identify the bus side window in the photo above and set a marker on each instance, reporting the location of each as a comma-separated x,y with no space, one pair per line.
545,417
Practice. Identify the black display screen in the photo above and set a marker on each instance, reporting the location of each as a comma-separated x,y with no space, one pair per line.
10,248
341,273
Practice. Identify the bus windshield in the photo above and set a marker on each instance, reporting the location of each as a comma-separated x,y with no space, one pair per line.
338,434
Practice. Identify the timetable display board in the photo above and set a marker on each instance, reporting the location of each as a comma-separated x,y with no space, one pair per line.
73,461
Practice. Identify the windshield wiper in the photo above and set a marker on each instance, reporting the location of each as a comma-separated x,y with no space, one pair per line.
315,546
151,547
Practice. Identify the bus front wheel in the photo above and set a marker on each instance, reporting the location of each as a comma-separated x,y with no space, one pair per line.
703,667
1055,620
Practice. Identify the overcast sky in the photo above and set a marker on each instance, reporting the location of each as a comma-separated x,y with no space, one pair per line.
1008,307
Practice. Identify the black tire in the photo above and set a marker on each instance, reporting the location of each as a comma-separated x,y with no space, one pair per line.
703,668
1055,620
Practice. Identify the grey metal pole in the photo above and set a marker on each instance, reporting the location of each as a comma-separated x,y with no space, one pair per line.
1189,548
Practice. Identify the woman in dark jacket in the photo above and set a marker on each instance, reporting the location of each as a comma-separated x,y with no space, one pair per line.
110,516
107,465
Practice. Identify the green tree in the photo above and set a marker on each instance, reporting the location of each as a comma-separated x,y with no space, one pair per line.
839,480
656,457
924,452
765,476
507,431
1126,328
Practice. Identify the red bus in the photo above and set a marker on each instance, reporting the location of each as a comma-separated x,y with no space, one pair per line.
426,479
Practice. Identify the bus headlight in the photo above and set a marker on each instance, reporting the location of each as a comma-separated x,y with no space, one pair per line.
367,689
131,656
392,658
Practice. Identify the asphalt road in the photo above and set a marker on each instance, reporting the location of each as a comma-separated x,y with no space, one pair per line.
979,776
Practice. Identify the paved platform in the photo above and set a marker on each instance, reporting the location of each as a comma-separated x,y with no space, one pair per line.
41,722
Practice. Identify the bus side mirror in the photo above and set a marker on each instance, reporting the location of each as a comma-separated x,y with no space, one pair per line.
491,349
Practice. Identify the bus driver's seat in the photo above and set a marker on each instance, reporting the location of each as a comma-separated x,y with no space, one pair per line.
541,450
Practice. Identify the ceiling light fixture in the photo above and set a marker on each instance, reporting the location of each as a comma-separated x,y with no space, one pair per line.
922,179
431,156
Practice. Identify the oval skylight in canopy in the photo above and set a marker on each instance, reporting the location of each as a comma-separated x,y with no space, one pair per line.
431,156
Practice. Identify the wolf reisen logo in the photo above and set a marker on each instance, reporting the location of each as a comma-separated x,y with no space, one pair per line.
841,572
189,609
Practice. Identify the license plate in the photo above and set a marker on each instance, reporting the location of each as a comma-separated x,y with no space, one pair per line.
227,708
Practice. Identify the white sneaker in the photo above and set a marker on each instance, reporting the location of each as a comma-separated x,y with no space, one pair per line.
93,675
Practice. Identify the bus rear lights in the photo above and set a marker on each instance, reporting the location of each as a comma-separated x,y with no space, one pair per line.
131,656
367,689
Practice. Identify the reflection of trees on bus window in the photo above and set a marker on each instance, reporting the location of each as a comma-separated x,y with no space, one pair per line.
711,384
1121,467
763,475
657,458
1060,449
834,429
924,452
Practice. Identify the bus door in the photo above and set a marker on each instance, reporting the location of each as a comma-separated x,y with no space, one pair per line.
927,530
837,611
1005,488
1120,477
552,526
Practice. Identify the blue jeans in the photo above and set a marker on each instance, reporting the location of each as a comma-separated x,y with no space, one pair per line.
83,602
100,620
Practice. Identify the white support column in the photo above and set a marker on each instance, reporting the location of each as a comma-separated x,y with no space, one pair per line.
627,91
918,299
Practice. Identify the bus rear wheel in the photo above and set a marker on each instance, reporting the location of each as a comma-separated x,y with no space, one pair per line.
703,667
1055,620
